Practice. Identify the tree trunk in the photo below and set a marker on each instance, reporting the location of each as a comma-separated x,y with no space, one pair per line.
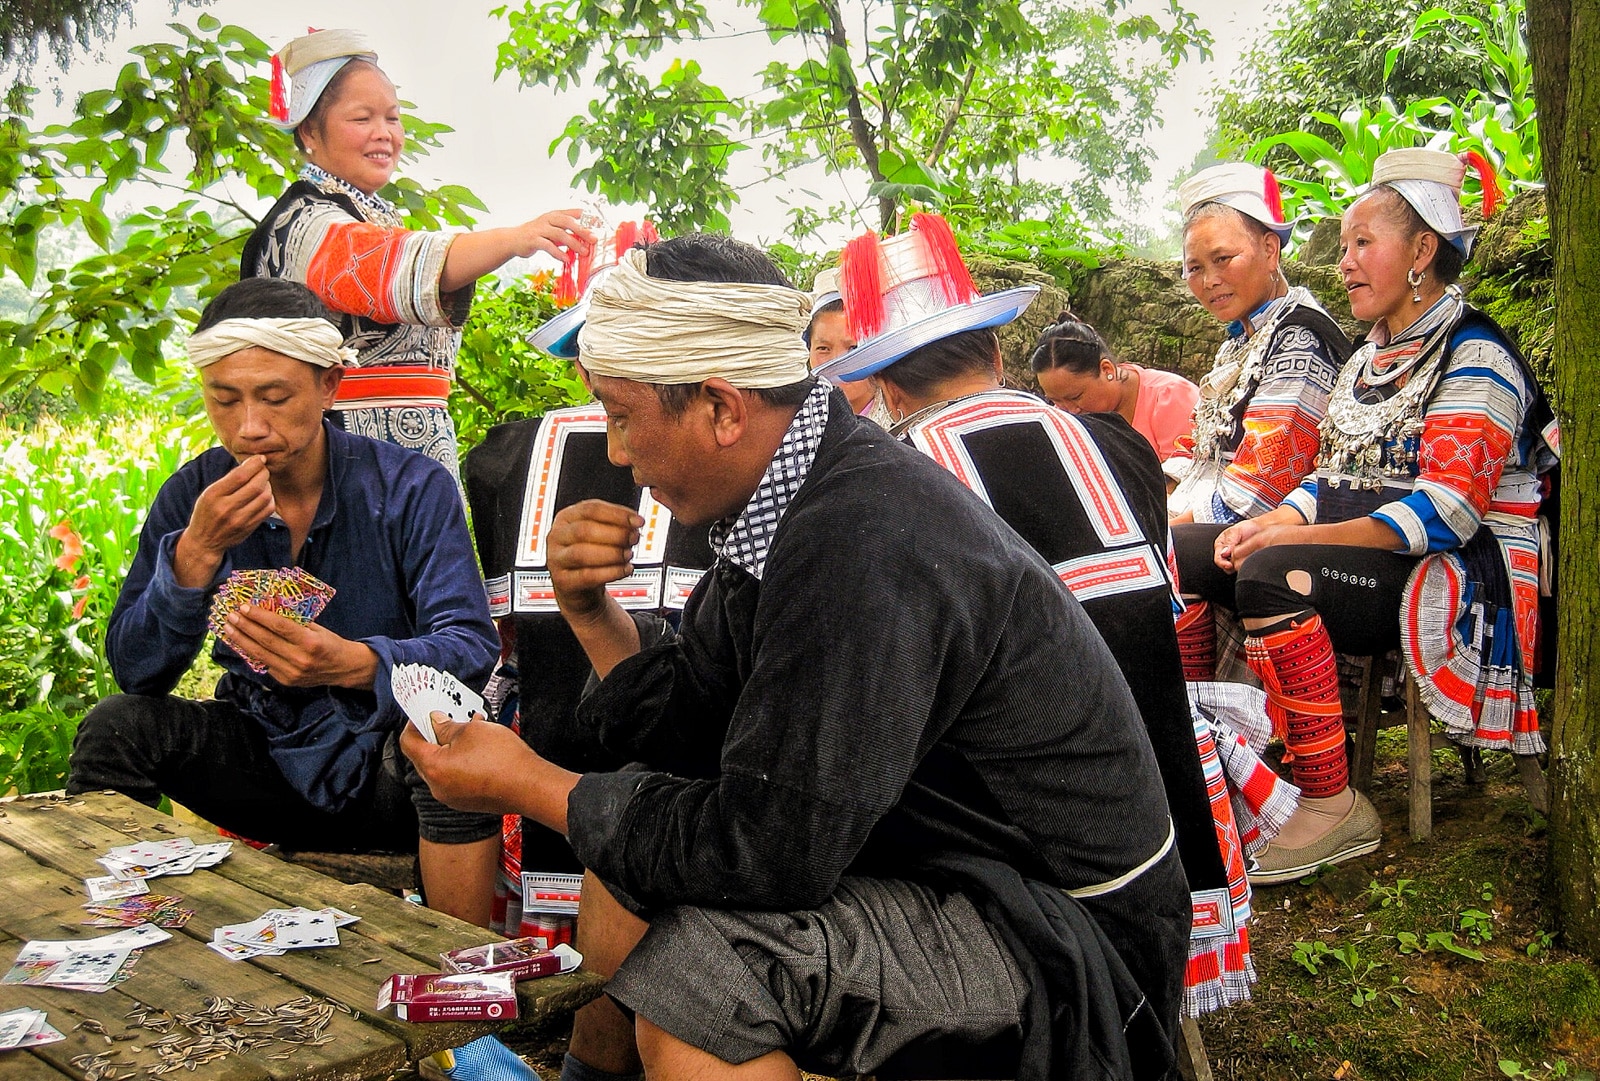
1565,35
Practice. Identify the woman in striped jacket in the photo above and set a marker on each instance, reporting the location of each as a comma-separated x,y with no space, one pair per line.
1419,527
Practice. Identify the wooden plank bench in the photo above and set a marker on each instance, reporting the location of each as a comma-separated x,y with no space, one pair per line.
48,846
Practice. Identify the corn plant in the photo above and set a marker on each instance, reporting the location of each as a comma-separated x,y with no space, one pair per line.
1500,120
72,500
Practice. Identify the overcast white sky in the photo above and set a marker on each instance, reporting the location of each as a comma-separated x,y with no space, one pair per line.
442,57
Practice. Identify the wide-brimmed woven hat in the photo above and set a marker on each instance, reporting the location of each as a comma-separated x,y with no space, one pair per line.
302,69
903,292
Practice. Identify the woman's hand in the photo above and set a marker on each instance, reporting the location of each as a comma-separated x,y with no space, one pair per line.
1238,542
560,233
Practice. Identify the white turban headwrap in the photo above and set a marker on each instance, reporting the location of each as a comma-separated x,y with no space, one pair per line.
303,69
315,341
654,330
1430,180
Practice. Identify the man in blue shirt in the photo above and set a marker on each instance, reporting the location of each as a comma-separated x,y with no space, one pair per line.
303,754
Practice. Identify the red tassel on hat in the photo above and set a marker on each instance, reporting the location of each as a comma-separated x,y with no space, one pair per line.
278,99
939,244
632,234
861,283
1272,195
627,236
1486,180
565,293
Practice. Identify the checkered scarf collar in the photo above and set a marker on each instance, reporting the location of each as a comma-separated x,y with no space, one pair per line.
746,540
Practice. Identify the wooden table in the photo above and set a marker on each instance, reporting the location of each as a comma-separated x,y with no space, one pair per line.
48,846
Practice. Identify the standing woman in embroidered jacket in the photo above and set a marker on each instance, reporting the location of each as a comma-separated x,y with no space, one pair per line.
1421,519
1255,425
401,295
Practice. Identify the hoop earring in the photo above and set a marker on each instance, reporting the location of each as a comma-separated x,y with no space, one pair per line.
1414,279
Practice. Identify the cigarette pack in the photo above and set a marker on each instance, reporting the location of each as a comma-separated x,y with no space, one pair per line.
449,996
523,958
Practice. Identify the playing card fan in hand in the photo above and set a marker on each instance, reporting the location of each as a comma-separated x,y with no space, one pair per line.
420,691
290,592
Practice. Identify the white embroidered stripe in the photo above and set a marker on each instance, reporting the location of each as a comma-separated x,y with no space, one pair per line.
1105,574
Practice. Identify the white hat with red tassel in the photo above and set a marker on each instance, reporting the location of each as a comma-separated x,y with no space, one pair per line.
1249,189
903,292
302,69
1430,180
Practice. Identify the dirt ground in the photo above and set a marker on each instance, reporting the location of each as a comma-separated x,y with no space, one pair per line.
1386,1003
1528,1010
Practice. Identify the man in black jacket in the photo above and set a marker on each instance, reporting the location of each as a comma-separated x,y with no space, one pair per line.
893,793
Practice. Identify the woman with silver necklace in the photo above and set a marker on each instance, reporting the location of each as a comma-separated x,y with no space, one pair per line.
400,295
1419,528
1255,425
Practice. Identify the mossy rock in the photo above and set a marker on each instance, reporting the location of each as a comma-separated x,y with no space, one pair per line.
1531,1003
1506,243
1148,316
1321,248
1510,277
1018,338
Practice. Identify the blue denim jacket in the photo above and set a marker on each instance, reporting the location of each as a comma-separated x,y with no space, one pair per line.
390,536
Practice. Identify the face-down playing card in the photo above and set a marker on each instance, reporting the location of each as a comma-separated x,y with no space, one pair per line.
291,592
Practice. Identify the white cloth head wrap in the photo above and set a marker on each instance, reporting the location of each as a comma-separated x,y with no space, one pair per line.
1237,184
654,330
310,63
1430,180
315,341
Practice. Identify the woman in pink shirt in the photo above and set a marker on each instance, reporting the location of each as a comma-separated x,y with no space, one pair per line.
1077,373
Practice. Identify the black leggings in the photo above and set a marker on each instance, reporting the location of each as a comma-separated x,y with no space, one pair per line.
1355,590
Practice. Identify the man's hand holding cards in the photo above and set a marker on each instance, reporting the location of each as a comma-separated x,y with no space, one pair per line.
289,592
420,691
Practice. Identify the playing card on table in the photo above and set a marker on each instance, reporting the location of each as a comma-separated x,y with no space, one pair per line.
151,853
155,908
239,951
111,888
146,859
16,1024
420,691
88,967
306,930
42,1035
150,859
94,964
280,929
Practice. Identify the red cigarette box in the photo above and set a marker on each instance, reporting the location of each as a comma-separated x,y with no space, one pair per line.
441,996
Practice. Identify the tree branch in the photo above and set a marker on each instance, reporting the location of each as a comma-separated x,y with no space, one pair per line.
951,118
